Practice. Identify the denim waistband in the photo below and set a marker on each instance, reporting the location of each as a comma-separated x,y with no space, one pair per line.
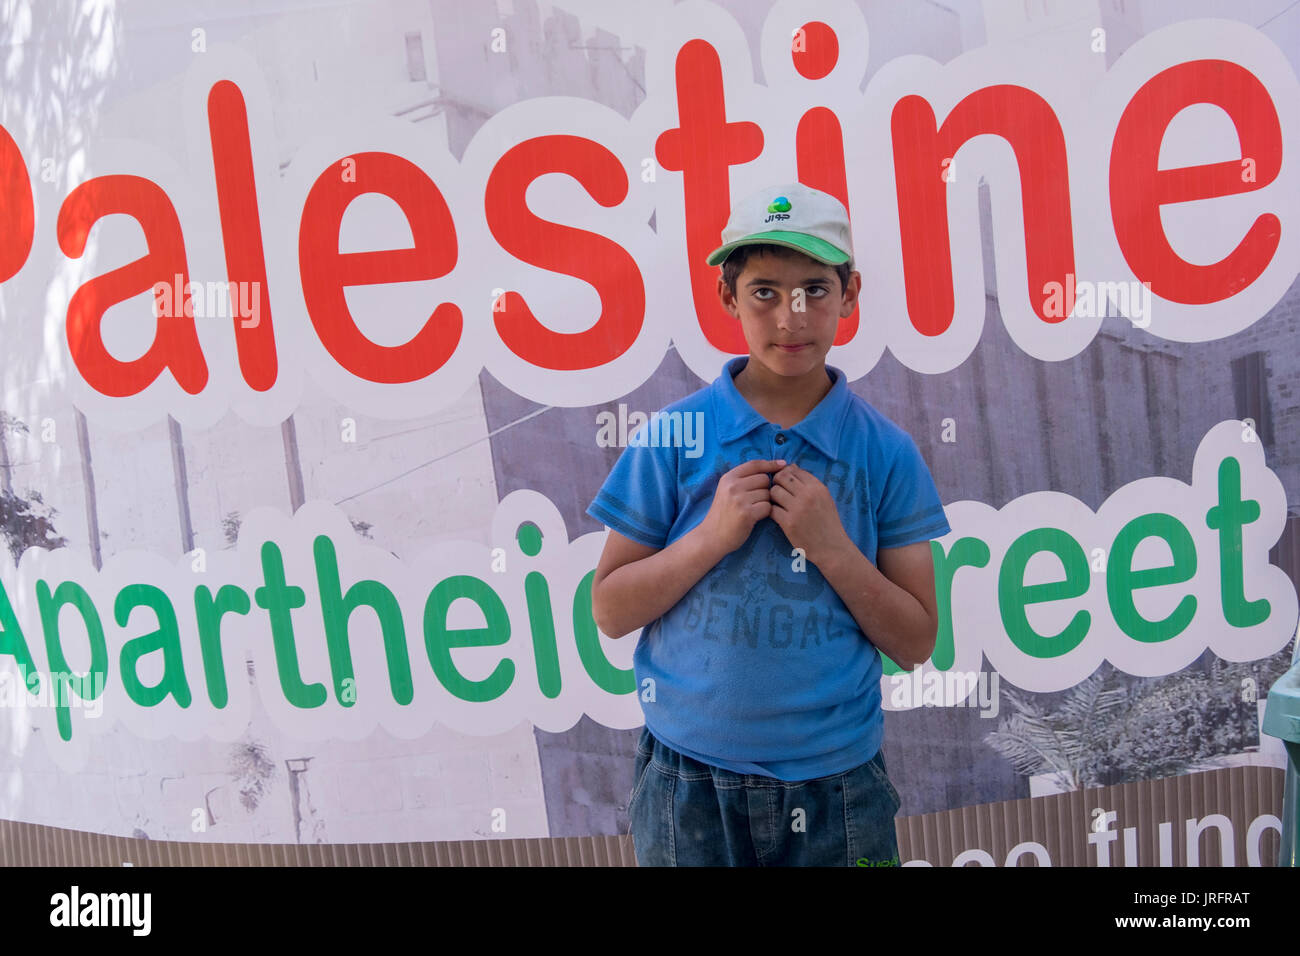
677,764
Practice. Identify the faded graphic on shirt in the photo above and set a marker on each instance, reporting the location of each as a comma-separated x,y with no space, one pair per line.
763,595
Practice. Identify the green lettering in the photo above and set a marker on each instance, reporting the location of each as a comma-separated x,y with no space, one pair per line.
166,639
208,612
1227,517
279,598
336,609
14,644
541,620
1014,594
439,639
1122,580
90,684
611,679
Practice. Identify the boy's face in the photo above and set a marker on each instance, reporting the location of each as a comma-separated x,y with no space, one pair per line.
789,307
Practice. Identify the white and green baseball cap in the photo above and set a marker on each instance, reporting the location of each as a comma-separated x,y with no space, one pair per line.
792,215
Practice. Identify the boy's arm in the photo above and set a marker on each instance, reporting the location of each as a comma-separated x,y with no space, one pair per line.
894,603
635,583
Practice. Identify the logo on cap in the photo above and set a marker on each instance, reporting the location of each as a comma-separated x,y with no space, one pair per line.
778,207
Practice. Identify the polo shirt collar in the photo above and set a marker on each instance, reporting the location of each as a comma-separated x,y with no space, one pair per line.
822,427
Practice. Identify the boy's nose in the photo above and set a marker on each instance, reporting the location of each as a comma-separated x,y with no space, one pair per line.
790,319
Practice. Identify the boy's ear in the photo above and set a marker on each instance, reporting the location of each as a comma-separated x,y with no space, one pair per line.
725,296
849,299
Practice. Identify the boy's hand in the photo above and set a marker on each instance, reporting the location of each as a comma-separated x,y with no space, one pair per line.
806,512
741,500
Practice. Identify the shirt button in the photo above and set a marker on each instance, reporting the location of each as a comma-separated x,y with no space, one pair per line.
780,439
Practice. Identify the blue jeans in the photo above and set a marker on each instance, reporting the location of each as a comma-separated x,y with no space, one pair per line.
686,813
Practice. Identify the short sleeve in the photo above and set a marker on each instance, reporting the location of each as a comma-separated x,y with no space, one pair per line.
910,509
639,498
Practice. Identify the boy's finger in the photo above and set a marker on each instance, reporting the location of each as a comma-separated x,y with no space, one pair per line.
758,466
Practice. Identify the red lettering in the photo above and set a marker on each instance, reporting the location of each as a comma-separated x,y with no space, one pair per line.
819,146
176,343
599,261
241,230
16,200
815,51
819,140
1028,124
703,148
326,272
1138,188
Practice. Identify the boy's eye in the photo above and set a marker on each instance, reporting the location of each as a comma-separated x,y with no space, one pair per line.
815,291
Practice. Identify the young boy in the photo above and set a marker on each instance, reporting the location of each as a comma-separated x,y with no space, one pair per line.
768,570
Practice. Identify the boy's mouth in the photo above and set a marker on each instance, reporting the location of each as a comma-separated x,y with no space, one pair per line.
792,348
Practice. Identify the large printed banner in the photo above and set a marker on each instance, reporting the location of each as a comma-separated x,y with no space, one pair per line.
165,638
225,249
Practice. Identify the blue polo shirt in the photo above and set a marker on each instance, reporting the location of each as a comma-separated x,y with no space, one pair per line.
760,668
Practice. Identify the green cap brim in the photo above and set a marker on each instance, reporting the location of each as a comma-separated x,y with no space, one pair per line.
819,249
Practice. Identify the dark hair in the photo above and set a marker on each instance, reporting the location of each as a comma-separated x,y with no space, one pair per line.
734,264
